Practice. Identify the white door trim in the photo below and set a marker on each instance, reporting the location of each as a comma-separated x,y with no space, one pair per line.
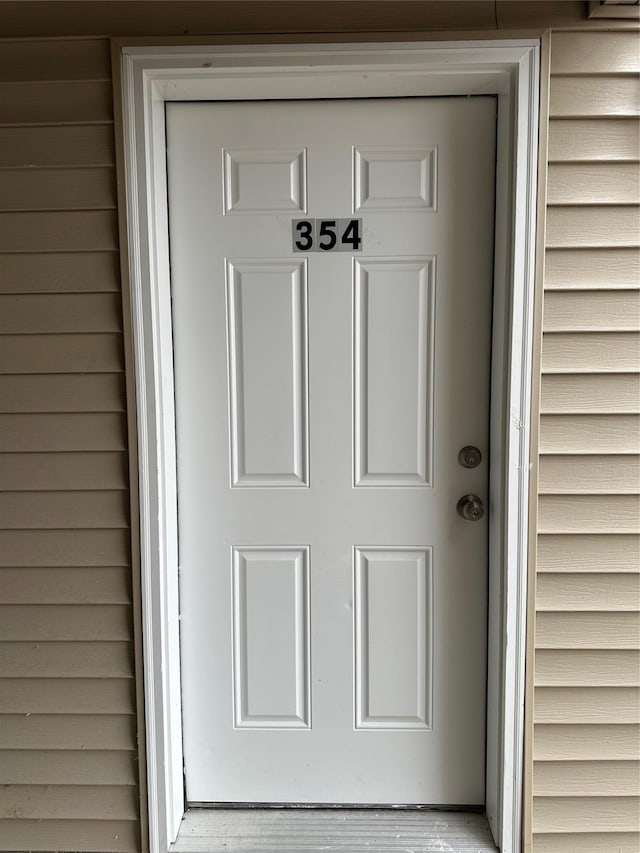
153,75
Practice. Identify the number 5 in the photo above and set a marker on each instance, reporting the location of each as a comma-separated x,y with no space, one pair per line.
327,229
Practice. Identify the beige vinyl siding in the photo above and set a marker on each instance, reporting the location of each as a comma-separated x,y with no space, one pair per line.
586,733
68,761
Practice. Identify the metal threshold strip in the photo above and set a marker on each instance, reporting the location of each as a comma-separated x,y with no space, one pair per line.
353,830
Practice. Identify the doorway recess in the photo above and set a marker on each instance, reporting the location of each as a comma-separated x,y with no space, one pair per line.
152,75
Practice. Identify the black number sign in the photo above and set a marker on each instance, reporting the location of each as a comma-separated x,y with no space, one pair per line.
327,235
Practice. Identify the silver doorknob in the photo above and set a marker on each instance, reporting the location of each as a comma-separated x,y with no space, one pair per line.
470,507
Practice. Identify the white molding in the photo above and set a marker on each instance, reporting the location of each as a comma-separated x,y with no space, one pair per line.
151,323
515,507
153,75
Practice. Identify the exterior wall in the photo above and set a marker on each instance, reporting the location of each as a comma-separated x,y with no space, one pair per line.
68,771
586,776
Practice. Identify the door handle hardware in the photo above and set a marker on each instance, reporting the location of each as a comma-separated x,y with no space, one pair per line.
470,507
469,456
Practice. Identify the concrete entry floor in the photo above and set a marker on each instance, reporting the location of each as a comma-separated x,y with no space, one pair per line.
351,830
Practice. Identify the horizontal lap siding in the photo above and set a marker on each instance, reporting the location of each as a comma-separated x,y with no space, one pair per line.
68,763
586,778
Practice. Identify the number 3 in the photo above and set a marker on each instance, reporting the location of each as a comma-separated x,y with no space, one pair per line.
305,230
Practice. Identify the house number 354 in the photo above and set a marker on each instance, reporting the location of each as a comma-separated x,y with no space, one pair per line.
327,235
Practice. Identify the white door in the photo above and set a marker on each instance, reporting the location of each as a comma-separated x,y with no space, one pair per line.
333,601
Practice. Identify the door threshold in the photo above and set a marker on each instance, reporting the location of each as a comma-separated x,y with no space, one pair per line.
351,830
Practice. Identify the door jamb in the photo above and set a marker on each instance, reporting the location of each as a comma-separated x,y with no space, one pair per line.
153,75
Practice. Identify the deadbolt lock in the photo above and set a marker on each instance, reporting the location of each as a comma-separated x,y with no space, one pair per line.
469,456
470,507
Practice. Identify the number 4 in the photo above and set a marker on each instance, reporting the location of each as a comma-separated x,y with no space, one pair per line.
352,234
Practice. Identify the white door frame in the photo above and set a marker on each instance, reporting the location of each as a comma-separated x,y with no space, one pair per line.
153,75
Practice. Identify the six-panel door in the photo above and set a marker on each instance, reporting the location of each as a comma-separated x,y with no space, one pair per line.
333,603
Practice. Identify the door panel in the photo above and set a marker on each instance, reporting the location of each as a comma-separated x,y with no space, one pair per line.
271,674
267,318
333,603
393,337
393,642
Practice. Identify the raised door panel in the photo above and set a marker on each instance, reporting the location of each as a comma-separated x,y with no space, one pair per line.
393,638
395,179
271,637
393,372
267,320
265,181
